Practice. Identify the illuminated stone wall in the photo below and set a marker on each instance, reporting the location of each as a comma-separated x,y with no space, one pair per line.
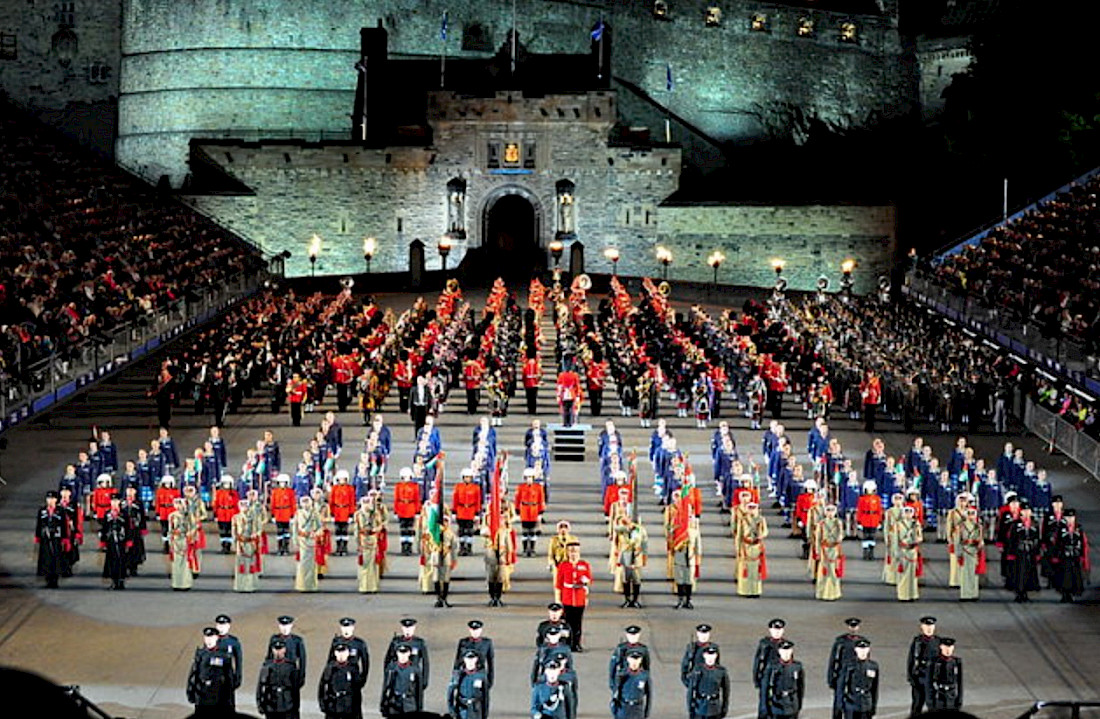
812,239
396,195
275,68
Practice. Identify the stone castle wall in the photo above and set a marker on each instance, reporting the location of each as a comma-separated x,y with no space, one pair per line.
813,240
60,60
263,68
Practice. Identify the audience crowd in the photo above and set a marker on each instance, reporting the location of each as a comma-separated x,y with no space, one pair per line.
1044,267
85,249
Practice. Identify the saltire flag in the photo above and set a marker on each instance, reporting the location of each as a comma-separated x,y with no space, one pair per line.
669,84
443,27
597,30
435,509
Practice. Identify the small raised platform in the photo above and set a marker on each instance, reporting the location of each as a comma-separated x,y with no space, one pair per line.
568,443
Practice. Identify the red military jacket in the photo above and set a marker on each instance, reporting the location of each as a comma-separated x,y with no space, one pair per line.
402,374
466,500
597,375
871,390
569,387
406,499
531,500
283,504
611,495
571,582
164,501
341,502
344,369
225,505
869,511
471,374
532,372
802,507
101,500
296,391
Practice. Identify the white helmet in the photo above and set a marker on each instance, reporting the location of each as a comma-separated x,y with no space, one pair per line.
405,473
810,485
870,486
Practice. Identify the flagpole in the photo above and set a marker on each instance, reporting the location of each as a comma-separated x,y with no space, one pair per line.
513,37
668,104
443,51
599,50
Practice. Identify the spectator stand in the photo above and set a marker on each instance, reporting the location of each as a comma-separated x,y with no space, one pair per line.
54,379
98,269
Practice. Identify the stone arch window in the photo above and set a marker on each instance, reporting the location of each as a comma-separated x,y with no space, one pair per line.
456,208
849,32
65,46
660,9
713,16
758,22
805,27
567,207
476,38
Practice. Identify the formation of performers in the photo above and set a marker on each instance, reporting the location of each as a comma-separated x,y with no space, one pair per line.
933,670
317,511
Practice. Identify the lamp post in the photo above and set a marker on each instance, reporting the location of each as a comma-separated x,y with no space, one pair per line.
557,247
846,282
444,248
612,254
715,260
370,246
314,250
778,296
664,256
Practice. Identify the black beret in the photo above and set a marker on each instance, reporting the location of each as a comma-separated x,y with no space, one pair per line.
222,619
408,622
209,632
475,624
776,624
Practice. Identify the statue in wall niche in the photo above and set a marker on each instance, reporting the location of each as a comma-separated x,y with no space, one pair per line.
456,210
565,214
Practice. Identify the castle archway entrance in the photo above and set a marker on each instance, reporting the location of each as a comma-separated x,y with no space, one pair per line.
511,246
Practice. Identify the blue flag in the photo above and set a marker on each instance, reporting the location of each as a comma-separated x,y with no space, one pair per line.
669,84
443,28
597,31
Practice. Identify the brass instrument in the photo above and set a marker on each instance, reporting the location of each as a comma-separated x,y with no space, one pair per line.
664,289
